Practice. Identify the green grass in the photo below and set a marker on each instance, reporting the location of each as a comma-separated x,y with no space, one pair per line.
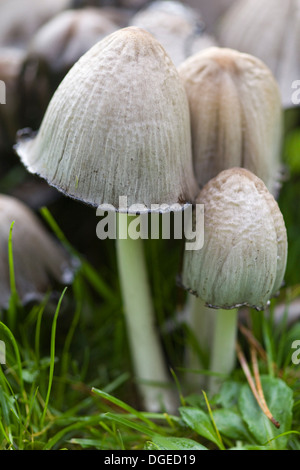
68,381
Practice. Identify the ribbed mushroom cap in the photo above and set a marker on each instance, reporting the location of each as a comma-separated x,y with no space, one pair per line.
179,28
236,114
118,125
244,255
270,30
39,261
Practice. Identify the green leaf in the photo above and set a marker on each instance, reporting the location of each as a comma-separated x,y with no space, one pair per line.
231,425
200,422
176,443
229,393
279,398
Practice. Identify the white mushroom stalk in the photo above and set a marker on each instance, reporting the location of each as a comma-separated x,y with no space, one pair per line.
118,125
243,260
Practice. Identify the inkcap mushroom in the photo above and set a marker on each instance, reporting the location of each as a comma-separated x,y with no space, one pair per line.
243,259
236,114
118,125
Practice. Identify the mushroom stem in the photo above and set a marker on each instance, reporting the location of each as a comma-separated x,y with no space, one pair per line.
200,321
147,354
223,353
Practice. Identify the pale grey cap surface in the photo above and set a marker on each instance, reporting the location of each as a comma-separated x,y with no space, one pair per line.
118,125
244,255
236,114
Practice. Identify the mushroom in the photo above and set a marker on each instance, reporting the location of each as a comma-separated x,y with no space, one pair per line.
10,65
236,114
52,51
243,260
118,126
39,261
20,19
211,11
179,28
269,30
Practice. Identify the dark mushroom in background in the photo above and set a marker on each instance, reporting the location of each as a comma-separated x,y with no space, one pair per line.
40,262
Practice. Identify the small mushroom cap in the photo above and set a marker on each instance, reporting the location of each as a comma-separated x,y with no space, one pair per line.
118,125
39,261
269,30
179,28
236,114
244,255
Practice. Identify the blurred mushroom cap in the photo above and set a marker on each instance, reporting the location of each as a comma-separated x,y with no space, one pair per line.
20,19
39,261
51,53
178,28
236,114
11,60
118,125
244,255
269,30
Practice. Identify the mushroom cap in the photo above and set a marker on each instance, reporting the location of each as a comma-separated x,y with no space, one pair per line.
53,50
20,19
65,38
236,114
179,28
39,261
244,255
269,30
118,125
11,60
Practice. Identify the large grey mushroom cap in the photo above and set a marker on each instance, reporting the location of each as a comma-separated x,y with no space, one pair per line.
244,255
118,125
236,114
269,30
39,260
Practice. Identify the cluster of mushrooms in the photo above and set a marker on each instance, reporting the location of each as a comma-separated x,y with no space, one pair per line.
202,126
